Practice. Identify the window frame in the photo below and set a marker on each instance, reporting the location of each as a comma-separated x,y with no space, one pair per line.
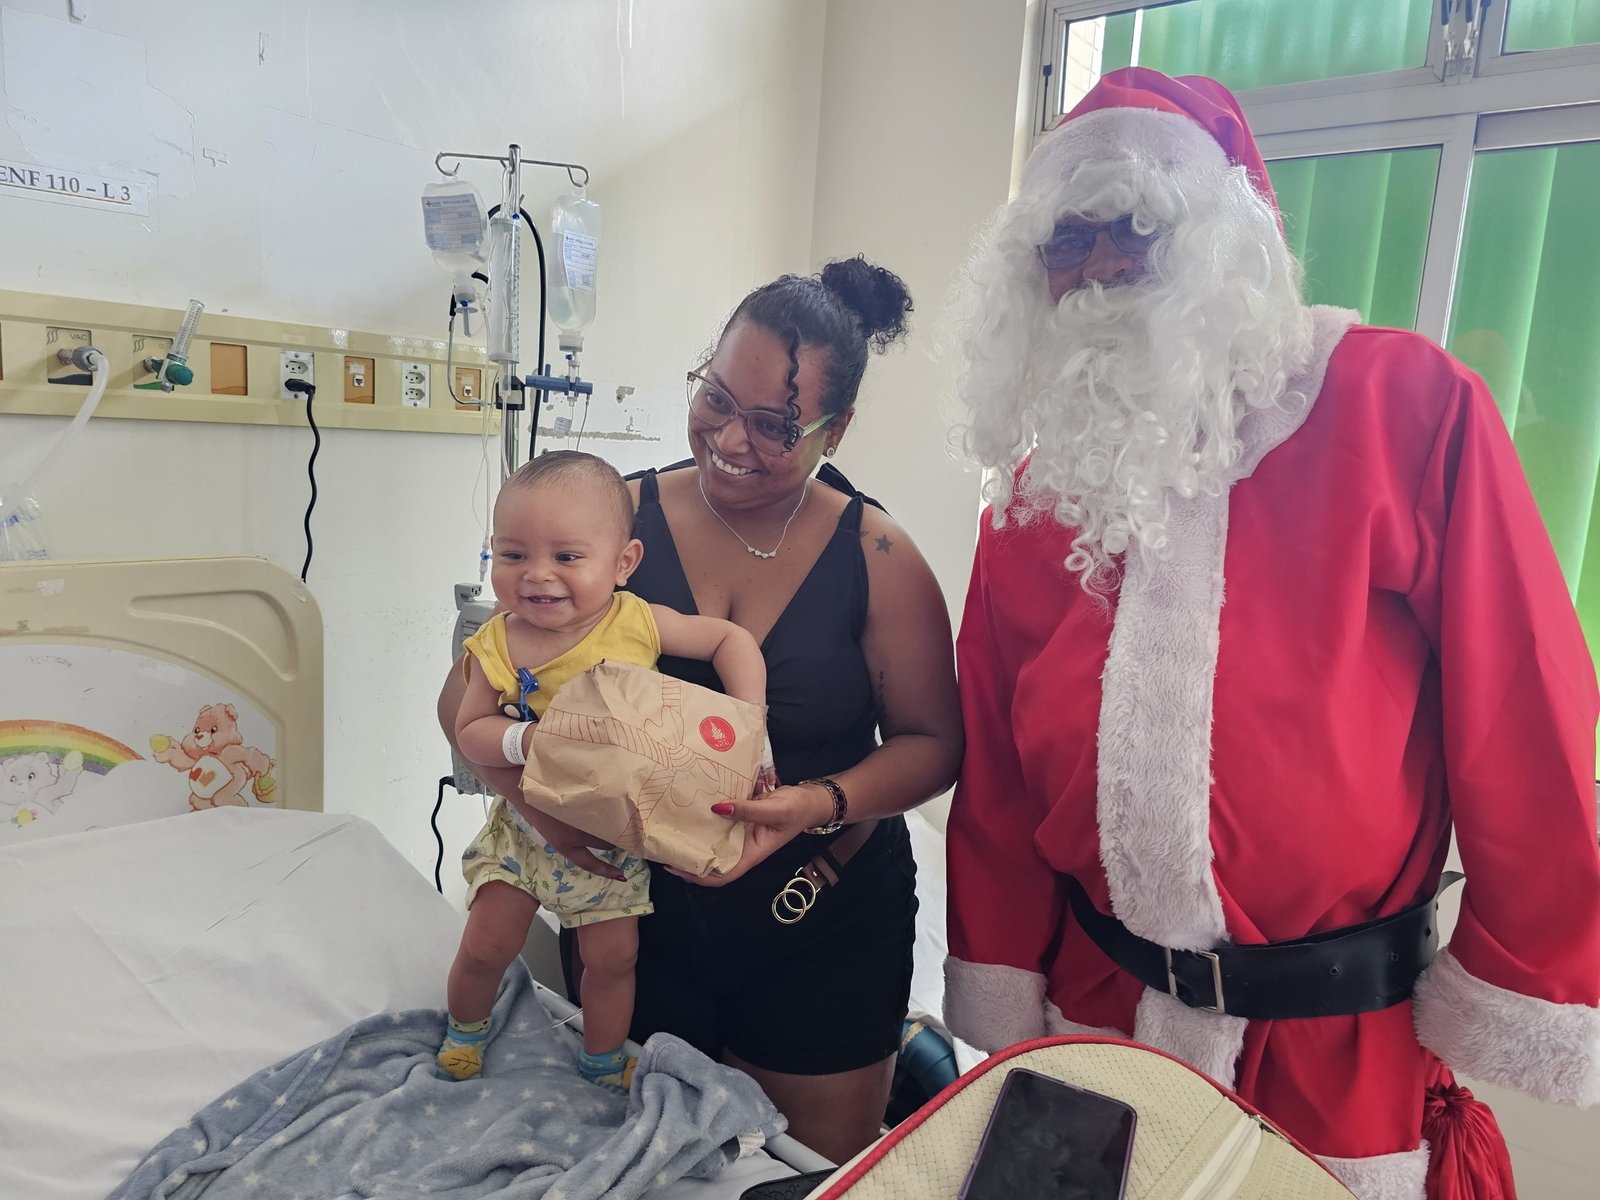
1454,137
1497,82
1494,59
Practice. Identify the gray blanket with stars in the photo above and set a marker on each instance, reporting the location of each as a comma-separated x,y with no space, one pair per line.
362,1115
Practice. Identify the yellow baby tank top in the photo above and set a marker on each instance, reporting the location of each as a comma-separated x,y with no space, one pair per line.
627,633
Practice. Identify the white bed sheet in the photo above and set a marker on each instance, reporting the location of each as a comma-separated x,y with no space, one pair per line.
932,946
145,969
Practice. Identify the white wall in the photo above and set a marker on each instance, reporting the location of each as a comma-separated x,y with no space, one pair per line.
919,101
287,145
918,110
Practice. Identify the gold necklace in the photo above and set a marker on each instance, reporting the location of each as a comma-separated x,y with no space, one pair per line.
773,553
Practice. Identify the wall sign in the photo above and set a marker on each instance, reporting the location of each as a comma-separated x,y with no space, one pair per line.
73,187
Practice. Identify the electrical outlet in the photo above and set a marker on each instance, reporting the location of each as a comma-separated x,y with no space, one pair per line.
294,364
58,340
414,384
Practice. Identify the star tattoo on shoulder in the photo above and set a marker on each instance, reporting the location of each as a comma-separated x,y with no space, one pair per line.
884,543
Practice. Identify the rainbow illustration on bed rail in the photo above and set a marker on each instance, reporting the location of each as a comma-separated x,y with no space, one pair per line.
58,739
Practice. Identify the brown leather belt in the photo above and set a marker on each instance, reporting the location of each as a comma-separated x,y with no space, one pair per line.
822,870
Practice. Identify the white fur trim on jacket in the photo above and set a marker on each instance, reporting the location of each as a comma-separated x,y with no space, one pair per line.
1546,1049
1154,800
1209,1042
1402,1176
990,1006
1058,1026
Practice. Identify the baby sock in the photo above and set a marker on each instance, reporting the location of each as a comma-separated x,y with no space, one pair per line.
461,1055
613,1069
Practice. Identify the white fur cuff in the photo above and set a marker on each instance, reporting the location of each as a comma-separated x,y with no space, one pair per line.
1549,1050
1057,1025
1209,1042
991,1006
1402,1176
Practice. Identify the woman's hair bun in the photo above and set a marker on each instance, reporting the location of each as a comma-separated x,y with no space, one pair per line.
876,297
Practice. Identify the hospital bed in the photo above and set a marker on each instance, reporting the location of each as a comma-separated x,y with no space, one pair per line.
157,943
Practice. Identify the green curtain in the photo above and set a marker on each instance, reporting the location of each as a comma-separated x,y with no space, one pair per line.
1258,43
1548,24
1527,318
1359,223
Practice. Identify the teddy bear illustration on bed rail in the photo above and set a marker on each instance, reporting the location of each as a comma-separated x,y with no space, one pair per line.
31,784
217,761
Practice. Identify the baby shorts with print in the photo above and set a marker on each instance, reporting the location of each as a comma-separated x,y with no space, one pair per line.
509,850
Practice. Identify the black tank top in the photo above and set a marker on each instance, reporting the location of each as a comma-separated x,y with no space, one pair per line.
821,715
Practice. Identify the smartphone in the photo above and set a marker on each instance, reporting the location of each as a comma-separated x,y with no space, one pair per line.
1048,1140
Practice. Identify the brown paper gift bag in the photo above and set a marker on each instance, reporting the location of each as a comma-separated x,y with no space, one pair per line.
638,758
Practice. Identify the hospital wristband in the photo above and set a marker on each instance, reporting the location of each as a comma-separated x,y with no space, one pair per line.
511,743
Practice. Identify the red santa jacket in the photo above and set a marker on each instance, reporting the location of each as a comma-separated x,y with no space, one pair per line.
1397,657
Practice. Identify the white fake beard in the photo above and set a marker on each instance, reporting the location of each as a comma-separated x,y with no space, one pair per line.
1121,397
1126,409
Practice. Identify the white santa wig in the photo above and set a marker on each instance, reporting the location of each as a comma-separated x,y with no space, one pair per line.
1119,393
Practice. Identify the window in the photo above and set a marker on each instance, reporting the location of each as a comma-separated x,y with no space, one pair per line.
1261,43
1359,223
1527,318
1549,24
1440,176
1304,61
1245,44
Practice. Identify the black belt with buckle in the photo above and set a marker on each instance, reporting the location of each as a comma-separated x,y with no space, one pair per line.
1357,969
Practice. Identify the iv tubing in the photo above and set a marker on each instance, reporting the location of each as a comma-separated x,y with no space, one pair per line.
96,362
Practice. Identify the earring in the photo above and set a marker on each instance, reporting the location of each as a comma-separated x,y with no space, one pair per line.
828,451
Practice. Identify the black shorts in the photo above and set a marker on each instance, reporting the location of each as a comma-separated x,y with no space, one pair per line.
824,995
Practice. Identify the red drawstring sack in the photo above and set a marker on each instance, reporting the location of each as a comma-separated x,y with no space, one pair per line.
1467,1158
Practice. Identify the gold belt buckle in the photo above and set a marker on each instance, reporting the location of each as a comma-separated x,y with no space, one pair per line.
791,904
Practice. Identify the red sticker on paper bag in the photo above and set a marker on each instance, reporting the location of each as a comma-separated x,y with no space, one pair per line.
717,733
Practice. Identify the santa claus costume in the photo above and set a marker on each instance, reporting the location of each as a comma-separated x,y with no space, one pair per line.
1265,616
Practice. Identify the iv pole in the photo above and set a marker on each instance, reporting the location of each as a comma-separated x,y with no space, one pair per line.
505,263
509,390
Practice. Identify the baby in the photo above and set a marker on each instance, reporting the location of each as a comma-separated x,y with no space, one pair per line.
562,544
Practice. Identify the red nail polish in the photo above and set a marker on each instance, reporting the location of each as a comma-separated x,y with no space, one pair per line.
723,810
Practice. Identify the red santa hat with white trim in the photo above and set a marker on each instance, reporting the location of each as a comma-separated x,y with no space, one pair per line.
1184,122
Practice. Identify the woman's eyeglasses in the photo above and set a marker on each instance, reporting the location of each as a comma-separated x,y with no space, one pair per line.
769,433
1070,245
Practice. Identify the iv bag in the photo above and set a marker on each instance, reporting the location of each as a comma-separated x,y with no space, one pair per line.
454,225
575,232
